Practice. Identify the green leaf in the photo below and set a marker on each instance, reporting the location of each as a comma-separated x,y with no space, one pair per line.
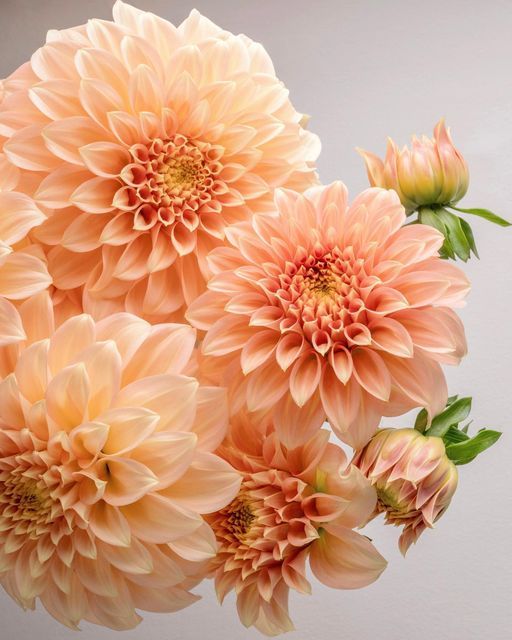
468,231
451,400
454,435
421,421
464,452
452,415
429,217
486,214
456,234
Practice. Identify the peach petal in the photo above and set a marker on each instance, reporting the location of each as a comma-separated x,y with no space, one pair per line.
22,276
166,455
95,195
294,424
343,559
258,349
226,335
305,377
198,546
127,428
266,386
27,150
170,396
127,480
64,138
208,484
371,373
211,422
109,524
56,188
67,397
105,159
99,98
166,350
159,520
18,214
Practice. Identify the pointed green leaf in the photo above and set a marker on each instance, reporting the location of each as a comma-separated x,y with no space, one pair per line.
486,214
429,216
468,231
421,421
464,452
452,415
454,435
456,234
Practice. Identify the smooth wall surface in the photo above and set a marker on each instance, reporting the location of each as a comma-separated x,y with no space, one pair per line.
365,69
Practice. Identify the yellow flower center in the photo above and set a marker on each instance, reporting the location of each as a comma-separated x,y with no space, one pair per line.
25,505
239,518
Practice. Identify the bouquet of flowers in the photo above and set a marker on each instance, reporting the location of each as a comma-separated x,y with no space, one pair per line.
190,323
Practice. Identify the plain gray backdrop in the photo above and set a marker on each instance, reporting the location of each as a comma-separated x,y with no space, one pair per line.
365,70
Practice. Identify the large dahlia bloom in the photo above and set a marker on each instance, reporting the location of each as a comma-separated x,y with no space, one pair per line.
149,140
331,309
294,506
414,479
105,465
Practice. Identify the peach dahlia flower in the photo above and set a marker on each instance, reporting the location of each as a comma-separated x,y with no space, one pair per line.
331,309
149,140
295,506
105,465
414,479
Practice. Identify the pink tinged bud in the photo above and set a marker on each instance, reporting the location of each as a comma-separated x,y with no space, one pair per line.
431,172
414,479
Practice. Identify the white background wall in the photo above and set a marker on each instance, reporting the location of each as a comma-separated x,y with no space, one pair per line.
364,70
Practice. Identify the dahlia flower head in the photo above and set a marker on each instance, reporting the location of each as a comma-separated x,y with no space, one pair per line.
414,479
331,309
105,465
432,172
146,141
294,506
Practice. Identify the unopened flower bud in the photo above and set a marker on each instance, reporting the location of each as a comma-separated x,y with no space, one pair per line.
431,172
414,479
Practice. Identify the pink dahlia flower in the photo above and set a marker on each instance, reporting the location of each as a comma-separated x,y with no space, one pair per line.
105,465
331,309
294,506
148,139
414,479
432,172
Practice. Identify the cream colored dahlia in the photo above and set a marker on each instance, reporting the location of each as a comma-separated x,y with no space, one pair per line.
147,140
105,465
332,309
414,479
295,506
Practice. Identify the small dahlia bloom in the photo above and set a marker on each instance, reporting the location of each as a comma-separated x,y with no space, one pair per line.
414,479
432,172
105,465
23,270
148,140
332,309
295,506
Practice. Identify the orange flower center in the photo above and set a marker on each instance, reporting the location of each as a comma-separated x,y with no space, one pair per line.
239,517
322,292
169,181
